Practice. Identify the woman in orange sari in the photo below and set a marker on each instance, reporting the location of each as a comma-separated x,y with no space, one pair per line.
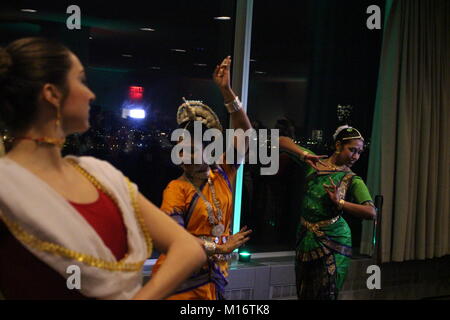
201,199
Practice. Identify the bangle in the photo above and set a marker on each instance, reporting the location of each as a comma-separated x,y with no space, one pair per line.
341,204
210,247
303,155
234,105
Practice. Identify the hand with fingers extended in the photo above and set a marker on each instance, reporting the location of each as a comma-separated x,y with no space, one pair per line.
332,191
221,77
313,160
234,241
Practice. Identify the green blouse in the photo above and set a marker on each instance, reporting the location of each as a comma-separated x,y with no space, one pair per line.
317,206
336,238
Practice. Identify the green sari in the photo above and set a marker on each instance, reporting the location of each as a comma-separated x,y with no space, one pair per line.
323,251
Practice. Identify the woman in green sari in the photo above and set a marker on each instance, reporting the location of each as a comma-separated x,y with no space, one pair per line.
323,247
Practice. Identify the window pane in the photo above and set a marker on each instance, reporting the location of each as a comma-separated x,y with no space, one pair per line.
145,57
307,57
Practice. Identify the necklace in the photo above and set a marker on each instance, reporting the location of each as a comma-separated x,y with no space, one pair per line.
218,227
44,141
329,164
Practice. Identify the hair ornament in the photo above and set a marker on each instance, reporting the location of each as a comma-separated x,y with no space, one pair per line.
194,110
338,130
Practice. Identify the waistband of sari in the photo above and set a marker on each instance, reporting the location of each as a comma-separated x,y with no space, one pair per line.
315,226
205,276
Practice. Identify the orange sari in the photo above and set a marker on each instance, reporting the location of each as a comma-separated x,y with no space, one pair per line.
182,203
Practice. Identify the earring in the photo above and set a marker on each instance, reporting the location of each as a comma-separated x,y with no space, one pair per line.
58,117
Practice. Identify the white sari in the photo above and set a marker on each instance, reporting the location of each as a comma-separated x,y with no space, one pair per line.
51,228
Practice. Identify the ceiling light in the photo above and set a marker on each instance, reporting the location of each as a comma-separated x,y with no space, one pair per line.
178,50
252,60
147,29
260,72
223,18
200,64
155,68
28,10
127,56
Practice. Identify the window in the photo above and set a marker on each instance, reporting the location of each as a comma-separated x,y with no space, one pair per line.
145,57
307,57
141,60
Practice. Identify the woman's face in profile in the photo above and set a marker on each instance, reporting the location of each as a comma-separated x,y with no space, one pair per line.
75,111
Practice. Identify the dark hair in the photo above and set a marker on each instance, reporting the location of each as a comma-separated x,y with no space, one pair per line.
286,127
25,66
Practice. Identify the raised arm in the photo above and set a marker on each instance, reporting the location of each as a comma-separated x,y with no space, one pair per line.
221,76
304,154
184,253
239,119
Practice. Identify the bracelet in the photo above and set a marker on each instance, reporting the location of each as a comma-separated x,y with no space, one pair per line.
234,105
341,204
303,155
210,247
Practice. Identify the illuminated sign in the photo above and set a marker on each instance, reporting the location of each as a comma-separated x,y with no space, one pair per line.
135,93
137,113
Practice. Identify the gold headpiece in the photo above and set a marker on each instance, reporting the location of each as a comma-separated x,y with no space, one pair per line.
358,136
193,110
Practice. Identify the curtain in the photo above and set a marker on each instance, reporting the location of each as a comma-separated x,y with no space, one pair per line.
2,147
410,152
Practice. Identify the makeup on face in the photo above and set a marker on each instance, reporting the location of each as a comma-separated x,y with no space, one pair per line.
351,151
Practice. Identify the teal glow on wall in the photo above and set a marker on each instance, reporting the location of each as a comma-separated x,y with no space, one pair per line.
238,200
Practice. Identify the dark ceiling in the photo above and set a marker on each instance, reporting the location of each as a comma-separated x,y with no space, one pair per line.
111,35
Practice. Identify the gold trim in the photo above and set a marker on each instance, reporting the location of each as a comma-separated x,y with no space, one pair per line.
355,137
350,138
58,250
134,202
140,218
343,186
315,227
89,260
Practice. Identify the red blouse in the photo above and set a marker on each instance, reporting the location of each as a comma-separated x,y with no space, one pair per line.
24,276
106,219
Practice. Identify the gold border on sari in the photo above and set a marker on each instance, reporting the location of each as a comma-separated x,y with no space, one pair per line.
56,249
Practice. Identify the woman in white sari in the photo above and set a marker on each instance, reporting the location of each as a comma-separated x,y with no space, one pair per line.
55,212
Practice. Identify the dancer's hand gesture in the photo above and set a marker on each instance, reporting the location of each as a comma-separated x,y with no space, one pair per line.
332,191
221,75
313,160
235,241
